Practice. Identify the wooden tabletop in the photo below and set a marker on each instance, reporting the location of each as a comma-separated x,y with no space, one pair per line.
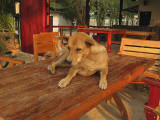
29,92
101,29
141,33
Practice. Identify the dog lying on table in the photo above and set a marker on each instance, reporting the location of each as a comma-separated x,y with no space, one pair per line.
86,57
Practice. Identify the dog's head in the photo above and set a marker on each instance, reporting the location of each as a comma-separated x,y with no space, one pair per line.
79,47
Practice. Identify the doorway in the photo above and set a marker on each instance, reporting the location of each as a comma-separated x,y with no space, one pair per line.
145,18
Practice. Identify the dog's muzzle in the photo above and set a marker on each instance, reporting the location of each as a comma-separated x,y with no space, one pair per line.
69,62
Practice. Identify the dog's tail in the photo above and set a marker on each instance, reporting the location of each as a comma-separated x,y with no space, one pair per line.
62,39
59,45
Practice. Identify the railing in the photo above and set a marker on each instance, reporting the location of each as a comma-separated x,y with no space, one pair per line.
99,26
70,28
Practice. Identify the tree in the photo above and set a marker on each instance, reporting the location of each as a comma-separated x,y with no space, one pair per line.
7,6
75,10
129,15
102,9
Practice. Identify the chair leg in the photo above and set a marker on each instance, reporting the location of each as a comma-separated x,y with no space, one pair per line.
121,107
108,101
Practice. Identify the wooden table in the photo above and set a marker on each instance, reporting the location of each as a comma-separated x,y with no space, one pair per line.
108,33
143,35
29,92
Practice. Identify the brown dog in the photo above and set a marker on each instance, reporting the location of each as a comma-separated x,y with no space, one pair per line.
86,57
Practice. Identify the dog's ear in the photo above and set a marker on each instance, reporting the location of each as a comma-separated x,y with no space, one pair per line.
64,38
89,42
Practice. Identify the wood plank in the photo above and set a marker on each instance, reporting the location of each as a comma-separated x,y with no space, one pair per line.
137,42
45,47
116,42
137,33
154,56
16,61
141,49
50,33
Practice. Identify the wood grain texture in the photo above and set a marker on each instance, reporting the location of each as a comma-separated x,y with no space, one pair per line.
29,92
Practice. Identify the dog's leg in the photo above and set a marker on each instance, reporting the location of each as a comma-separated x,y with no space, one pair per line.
72,72
54,64
103,80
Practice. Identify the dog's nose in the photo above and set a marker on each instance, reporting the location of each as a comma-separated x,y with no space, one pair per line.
69,62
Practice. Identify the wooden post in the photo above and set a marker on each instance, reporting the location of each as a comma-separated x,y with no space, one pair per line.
120,12
87,12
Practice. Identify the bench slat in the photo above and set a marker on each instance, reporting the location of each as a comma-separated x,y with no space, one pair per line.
141,49
138,42
154,56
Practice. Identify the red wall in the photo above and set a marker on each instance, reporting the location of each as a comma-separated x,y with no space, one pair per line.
32,22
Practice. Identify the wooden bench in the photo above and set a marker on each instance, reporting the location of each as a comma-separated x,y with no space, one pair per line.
143,48
12,62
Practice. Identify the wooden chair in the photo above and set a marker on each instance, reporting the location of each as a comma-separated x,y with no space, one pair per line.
12,62
152,107
142,48
45,42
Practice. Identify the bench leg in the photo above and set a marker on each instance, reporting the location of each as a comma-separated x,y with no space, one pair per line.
121,107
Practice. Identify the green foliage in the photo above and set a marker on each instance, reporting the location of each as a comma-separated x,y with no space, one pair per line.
7,11
71,12
102,9
2,45
7,23
127,4
7,6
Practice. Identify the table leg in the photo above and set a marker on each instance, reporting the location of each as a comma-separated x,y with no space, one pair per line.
121,107
108,42
98,37
144,37
124,35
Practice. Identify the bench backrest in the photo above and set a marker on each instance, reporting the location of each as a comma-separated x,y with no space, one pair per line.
142,48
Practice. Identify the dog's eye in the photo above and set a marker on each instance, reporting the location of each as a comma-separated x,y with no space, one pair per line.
78,49
69,48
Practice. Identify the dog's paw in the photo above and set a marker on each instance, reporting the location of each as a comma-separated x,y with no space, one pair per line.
103,84
63,83
50,69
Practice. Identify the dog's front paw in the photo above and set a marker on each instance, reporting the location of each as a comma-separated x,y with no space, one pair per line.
63,83
103,84
51,69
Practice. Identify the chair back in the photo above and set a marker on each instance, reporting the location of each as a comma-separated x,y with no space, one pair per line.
45,42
